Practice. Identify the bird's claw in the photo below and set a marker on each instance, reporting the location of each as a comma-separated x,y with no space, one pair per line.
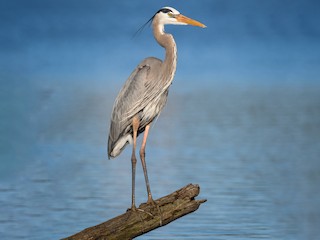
152,204
155,205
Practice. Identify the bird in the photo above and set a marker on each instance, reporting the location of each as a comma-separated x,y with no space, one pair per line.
144,95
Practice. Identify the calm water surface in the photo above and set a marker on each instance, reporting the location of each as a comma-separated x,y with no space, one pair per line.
249,136
253,150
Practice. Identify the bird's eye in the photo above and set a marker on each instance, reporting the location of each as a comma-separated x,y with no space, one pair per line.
170,14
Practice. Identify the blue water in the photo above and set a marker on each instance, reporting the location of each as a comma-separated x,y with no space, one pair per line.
242,119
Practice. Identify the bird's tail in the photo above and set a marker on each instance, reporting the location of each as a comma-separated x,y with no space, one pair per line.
116,147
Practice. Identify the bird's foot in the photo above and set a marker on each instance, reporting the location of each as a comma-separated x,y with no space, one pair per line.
135,209
151,205
154,204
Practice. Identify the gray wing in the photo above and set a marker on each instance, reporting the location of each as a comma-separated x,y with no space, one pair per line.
132,99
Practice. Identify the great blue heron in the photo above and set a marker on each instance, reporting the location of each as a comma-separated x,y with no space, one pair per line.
145,93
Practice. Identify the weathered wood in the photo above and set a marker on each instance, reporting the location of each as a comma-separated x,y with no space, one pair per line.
147,218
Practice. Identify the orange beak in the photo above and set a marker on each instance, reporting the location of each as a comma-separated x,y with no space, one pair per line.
184,19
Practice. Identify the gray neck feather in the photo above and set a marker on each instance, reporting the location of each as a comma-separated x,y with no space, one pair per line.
170,62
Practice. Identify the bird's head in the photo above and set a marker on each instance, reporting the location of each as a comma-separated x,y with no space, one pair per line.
169,15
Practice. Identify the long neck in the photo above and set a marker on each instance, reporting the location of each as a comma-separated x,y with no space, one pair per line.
166,41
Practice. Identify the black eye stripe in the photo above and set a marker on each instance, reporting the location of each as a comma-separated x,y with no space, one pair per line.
164,10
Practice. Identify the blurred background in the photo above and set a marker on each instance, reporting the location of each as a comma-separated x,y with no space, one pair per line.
242,119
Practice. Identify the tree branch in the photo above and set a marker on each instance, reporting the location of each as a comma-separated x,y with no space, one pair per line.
147,218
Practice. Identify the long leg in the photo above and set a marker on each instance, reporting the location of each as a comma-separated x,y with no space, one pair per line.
143,161
144,166
135,126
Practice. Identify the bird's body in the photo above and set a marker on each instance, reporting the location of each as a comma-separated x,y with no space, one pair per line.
136,91
145,93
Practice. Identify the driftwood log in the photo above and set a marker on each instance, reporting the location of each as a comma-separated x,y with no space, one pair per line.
147,218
